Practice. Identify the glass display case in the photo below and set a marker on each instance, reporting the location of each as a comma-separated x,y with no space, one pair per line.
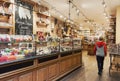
77,43
13,47
66,45
48,46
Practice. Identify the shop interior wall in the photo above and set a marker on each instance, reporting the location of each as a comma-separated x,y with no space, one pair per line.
118,25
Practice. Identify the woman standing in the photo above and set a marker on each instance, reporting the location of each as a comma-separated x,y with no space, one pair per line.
100,50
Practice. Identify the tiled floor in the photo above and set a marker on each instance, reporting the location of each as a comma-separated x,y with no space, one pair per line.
88,72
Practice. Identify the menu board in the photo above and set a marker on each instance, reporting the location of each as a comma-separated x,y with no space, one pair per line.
23,18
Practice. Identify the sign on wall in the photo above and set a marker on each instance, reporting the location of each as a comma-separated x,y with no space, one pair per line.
23,18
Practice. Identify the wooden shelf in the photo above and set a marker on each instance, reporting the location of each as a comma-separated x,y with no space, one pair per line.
41,24
6,3
29,2
6,27
6,14
39,7
42,15
6,30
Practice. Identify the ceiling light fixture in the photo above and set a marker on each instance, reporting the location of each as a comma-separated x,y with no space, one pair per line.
72,6
103,3
105,12
78,11
106,17
65,18
61,16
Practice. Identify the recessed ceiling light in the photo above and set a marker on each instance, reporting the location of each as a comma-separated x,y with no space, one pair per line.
78,11
68,20
65,18
88,21
106,17
104,14
104,6
61,16
49,14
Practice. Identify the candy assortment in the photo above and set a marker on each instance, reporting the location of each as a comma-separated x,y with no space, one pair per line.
65,44
21,46
77,43
15,38
5,38
15,47
52,46
47,50
14,53
21,38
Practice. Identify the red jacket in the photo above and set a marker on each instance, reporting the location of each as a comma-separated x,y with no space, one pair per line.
100,44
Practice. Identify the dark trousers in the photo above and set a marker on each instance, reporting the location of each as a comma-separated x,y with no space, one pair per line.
100,63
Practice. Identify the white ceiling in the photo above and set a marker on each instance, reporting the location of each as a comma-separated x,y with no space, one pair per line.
92,9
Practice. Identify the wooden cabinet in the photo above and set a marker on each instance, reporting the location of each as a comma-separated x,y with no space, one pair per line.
42,74
62,66
74,61
48,72
52,70
26,77
78,60
68,63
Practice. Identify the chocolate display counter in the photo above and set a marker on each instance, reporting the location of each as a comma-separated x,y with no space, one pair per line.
21,59
41,68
